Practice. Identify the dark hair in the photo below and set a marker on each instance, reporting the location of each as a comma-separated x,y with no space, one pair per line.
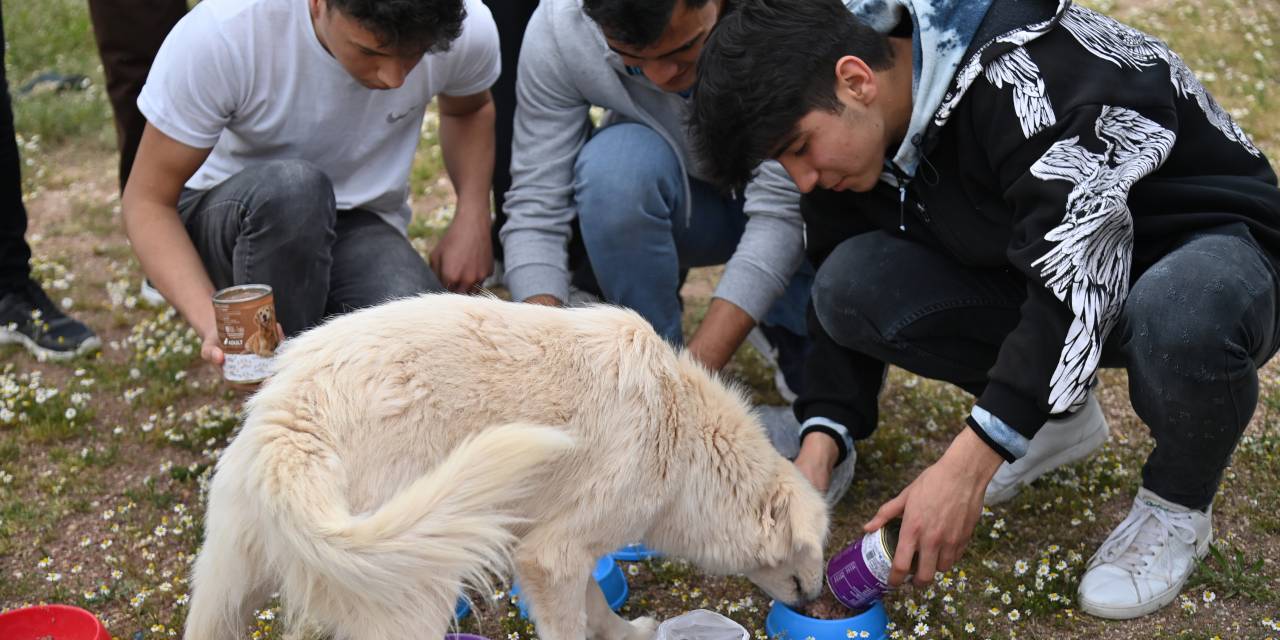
766,65
637,23
408,26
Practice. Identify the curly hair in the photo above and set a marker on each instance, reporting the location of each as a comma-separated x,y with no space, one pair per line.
766,65
408,26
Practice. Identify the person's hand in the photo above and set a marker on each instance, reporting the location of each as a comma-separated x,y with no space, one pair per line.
939,509
464,256
544,299
211,350
817,457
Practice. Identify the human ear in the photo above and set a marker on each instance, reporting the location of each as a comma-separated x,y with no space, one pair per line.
855,81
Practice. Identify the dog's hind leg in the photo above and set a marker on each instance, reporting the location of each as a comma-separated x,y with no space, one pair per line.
604,624
553,580
228,583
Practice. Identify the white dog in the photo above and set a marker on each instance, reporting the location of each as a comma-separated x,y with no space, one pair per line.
394,459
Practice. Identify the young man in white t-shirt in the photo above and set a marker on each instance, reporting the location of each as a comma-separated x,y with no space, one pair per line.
279,141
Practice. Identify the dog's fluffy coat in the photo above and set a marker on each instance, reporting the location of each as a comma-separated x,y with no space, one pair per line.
396,457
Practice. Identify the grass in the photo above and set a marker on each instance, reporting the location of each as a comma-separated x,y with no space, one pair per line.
1233,573
55,36
102,509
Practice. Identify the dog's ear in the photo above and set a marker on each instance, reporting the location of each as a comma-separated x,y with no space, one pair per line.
775,516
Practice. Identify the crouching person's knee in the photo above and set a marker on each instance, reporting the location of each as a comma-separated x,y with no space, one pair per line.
293,209
844,297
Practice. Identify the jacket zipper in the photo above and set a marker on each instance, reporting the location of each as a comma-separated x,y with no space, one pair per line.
902,206
902,196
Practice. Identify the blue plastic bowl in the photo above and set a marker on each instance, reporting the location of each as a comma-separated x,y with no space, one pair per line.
797,626
463,609
634,553
607,574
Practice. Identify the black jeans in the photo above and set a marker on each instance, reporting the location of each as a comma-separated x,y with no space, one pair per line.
15,253
511,17
1196,327
276,224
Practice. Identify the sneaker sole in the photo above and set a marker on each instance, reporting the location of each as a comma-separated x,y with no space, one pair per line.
13,337
1070,455
1166,598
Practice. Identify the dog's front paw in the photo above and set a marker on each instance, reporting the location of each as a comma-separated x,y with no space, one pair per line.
643,628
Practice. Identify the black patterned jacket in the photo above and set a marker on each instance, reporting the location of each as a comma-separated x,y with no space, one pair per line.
1076,150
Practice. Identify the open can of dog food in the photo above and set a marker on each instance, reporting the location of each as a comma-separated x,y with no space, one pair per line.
858,576
246,317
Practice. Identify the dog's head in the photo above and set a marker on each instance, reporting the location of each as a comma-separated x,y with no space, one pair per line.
266,318
742,507
791,537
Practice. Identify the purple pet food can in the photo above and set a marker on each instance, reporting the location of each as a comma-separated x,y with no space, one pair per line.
859,575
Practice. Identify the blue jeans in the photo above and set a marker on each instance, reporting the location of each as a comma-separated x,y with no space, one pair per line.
1195,328
277,224
629,189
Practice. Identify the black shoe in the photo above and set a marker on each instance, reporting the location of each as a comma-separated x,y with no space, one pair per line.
28,317
786,352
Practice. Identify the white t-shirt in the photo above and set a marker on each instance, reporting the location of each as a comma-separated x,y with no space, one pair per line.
250,79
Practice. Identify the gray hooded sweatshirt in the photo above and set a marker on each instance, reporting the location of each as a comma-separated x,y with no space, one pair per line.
565,68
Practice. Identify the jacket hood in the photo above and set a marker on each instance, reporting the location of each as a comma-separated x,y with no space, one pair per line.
952,41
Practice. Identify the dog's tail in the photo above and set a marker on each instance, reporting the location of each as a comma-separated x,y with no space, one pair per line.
406,562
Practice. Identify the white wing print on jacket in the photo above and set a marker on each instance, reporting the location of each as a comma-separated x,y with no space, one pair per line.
1030,101
1088,269
1128,47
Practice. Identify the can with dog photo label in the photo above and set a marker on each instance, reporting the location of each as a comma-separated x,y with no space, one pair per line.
859,575
246,317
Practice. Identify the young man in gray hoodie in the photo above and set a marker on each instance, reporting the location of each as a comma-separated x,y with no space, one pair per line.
644,213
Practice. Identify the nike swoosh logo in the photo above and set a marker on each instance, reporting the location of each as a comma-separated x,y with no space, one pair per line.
393,118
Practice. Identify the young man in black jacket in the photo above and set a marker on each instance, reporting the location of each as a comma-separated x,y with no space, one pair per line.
1007,196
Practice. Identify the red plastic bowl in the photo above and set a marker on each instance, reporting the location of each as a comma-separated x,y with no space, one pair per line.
55,621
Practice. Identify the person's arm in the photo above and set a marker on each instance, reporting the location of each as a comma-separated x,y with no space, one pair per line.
767,256
551,126
150,215
939,509
839,403
721,332
464,256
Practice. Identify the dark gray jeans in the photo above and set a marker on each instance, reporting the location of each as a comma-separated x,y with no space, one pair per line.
277,224
1196,327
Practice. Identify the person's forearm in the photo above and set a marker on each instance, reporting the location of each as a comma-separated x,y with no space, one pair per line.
171,262
467,144
721,333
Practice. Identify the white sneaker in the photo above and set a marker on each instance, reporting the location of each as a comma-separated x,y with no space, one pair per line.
1144,563
581,297
151,295
495,278
784,433
841,478
1059,442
